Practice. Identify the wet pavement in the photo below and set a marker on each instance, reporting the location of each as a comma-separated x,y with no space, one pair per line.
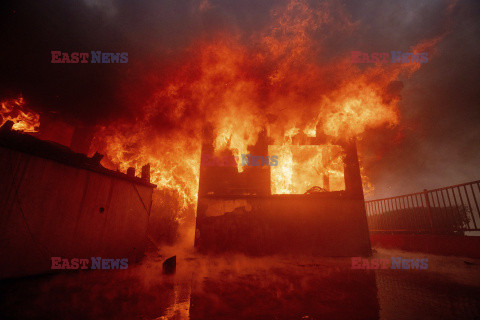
239,287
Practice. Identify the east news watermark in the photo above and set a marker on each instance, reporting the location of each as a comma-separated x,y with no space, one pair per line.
389,57
392,263
247,160
59,263
89,57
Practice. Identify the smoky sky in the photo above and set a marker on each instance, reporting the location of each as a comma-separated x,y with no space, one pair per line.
440,108
152,32
435,144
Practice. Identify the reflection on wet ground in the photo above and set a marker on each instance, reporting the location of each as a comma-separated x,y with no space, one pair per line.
449,289
238,287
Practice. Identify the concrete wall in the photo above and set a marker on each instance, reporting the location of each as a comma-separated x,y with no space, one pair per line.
52,209
329,224
454,245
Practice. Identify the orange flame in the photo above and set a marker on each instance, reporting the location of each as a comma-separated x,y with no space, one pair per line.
23,119
279,86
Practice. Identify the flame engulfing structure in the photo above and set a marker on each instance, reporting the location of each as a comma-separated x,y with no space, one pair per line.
23,119
281,80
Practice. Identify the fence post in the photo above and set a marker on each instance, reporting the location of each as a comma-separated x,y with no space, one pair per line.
429,211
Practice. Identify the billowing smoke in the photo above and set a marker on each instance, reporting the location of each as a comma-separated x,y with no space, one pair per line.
431,143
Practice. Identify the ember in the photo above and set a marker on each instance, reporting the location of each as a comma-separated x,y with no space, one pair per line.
23,119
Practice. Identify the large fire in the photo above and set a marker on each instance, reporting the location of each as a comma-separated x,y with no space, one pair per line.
278,81
23,119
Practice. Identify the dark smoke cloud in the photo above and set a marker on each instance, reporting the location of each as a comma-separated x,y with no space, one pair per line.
436,143
152,32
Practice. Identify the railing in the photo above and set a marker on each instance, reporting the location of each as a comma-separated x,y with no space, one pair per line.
453,209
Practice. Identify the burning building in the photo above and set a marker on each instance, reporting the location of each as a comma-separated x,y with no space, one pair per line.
275,91
237,211
272,94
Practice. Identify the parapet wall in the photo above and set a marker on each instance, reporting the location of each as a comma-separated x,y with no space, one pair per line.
329,224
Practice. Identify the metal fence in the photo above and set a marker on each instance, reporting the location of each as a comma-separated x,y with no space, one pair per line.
453,209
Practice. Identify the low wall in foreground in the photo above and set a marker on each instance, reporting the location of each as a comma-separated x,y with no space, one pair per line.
50,209
329,224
